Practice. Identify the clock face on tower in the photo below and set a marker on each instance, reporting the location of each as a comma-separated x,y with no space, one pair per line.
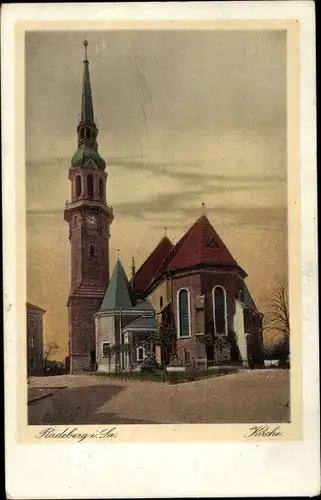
91,220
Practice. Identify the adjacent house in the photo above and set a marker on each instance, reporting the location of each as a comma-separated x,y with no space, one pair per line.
34,339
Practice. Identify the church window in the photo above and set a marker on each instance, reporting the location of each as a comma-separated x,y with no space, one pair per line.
161,302
219,309
101,188
140,353
183,313
241,295
78,186
90,185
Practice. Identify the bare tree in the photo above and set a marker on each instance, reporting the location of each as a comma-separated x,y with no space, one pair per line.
49,349
277,318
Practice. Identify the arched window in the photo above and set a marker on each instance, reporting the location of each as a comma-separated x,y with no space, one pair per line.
140,353
219,309
241,295
161,302
183,313
78,186
90,185
101,188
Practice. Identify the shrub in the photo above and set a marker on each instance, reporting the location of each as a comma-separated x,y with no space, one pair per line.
149,365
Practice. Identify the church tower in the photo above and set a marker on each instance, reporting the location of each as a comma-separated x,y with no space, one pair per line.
89,218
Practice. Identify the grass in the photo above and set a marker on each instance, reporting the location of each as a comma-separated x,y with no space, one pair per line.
160,376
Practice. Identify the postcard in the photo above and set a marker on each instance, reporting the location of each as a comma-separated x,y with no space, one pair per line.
160,249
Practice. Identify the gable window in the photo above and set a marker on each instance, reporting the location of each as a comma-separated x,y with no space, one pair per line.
211,243
78,186
219,309
161,302
183,313
90,185
32,342
140,353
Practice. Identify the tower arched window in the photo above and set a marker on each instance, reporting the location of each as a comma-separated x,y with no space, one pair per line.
91,251
220,310
183,313
101,188
90,185
78,186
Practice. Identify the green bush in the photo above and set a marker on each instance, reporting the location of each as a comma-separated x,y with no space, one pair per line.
149,365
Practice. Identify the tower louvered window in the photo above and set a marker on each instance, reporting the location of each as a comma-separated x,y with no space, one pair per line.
78,186
183,306
90,185
219,306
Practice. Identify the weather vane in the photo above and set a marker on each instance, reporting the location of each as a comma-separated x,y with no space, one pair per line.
85,42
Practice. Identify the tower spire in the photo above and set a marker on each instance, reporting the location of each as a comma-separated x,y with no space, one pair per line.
87,109
87,129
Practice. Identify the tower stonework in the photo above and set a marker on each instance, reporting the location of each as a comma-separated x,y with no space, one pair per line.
89,218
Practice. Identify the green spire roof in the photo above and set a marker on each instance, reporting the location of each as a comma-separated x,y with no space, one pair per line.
119,294
87,130
87,109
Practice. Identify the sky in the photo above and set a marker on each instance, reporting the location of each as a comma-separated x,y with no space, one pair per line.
184,117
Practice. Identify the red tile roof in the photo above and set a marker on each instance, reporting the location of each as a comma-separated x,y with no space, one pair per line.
200,245
147,272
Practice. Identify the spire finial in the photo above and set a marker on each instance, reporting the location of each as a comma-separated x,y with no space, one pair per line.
203,208
85,43
118,253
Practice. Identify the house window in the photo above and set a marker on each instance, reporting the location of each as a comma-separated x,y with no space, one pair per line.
32,342
78,186
219,308
183,313
90,185
161,302
140,353
31,363
106,349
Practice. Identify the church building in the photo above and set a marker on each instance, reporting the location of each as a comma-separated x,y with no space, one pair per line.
195,286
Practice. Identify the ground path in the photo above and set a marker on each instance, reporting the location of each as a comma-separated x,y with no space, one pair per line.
245,396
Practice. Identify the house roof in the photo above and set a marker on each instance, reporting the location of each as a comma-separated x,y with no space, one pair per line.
200,245
36,308
142,323
147,272
119,294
